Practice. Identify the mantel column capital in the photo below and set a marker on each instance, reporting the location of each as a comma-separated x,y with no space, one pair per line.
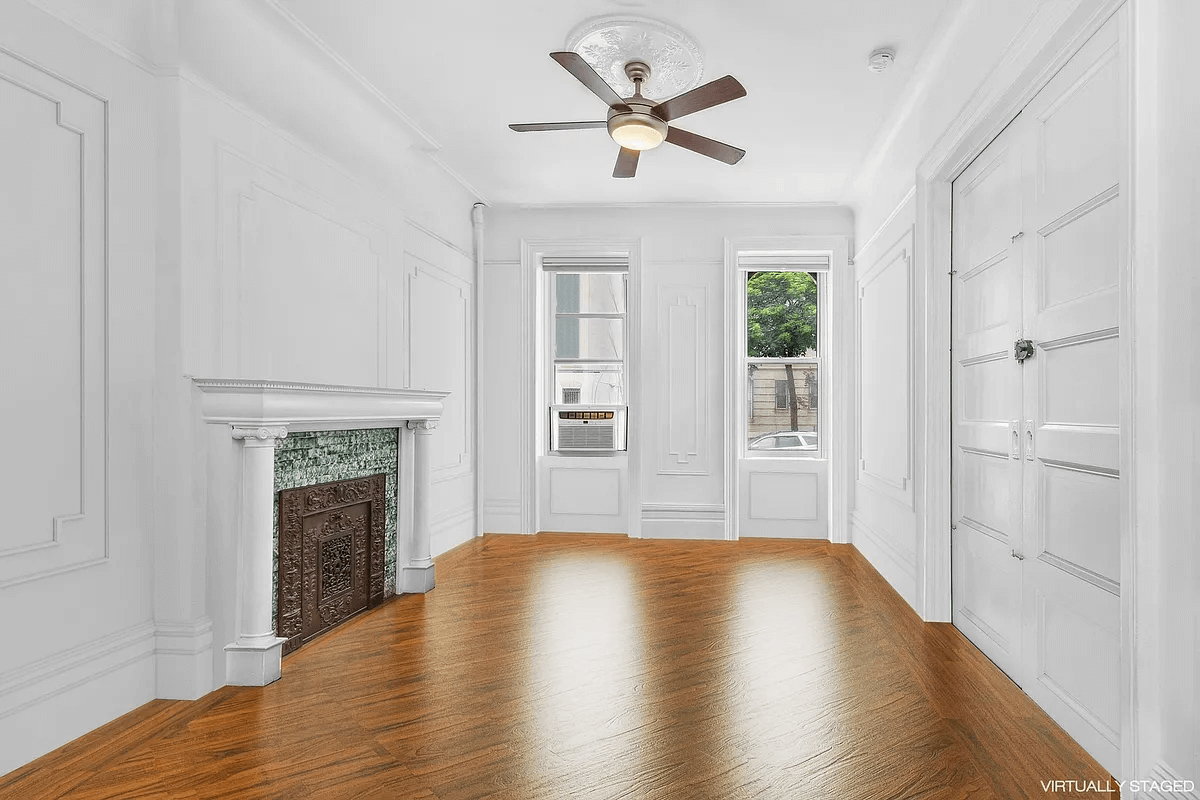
422,425
259,435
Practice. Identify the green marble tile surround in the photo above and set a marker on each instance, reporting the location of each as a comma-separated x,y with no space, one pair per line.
303,459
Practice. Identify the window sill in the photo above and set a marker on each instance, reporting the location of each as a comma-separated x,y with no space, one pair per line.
765,455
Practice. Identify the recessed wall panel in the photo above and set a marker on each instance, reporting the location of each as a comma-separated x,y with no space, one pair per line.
584,491
53,323
1079,659
1080,383
783,495
986,390
1081,257
985,491
1080,519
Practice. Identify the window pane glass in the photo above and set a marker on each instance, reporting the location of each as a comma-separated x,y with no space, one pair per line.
566,293
590,293
783,408
577,337
781,315
600,384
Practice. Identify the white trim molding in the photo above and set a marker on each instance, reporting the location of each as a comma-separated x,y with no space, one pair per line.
60,697
835,385
683,512
183,659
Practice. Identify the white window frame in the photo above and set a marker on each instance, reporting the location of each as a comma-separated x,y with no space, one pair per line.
835,392
824,308
552,314
540,340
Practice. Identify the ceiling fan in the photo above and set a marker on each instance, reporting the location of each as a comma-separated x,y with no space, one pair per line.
637,124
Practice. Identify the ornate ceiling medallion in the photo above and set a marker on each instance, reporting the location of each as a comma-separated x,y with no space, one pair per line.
609,43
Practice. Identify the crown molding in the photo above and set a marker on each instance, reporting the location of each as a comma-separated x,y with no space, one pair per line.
919,85
328,61
883,226
142,62
426,141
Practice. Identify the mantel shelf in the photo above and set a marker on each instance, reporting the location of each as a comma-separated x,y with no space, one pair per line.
313,406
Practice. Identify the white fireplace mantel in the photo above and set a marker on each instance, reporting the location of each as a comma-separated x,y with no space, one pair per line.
314,406
259,414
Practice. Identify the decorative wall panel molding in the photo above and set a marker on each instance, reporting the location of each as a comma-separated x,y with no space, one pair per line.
884,373
681,381
584,491
440,334
281,317
784,495
53,146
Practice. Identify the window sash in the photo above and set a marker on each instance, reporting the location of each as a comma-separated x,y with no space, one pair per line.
820,265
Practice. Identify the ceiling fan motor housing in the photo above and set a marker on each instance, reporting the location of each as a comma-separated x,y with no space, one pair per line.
639,115
637,127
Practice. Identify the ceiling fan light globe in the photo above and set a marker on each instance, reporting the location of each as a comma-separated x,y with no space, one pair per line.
637,131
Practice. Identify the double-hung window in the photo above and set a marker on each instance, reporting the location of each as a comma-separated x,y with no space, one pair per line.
588,301
782,296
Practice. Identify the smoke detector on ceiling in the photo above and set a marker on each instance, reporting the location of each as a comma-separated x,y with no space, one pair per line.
880,60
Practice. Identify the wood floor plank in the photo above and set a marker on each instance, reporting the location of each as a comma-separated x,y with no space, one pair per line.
601,667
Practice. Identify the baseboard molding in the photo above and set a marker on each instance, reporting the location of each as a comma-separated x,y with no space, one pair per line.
183,662
683,512
500,515
708,529
452,518
887,561
48,703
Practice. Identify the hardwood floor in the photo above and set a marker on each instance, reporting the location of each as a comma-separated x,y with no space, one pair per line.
575,666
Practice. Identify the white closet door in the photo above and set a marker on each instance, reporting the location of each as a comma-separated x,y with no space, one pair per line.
986,500
1074,261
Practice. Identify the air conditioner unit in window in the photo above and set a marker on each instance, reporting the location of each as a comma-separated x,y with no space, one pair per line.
587,428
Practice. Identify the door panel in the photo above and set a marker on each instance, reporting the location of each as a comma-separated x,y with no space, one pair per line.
987,509
1073,266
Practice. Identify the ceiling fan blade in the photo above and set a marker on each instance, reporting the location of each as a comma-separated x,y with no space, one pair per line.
557,126
722,90
704,146
626,163
583,72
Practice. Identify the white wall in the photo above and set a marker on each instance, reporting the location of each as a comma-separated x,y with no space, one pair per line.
1167,403
76,404
888,392
266,218
682,267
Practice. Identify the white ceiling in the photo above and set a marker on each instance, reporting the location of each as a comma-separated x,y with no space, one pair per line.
463,69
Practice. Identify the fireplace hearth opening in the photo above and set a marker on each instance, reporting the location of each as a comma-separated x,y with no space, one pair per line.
331,555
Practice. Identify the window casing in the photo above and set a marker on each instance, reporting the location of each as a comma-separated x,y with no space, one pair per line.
783,302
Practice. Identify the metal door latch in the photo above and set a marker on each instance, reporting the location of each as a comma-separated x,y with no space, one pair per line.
1017,556
1022,349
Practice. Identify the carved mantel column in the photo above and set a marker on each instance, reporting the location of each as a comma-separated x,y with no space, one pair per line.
417,575
255,658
